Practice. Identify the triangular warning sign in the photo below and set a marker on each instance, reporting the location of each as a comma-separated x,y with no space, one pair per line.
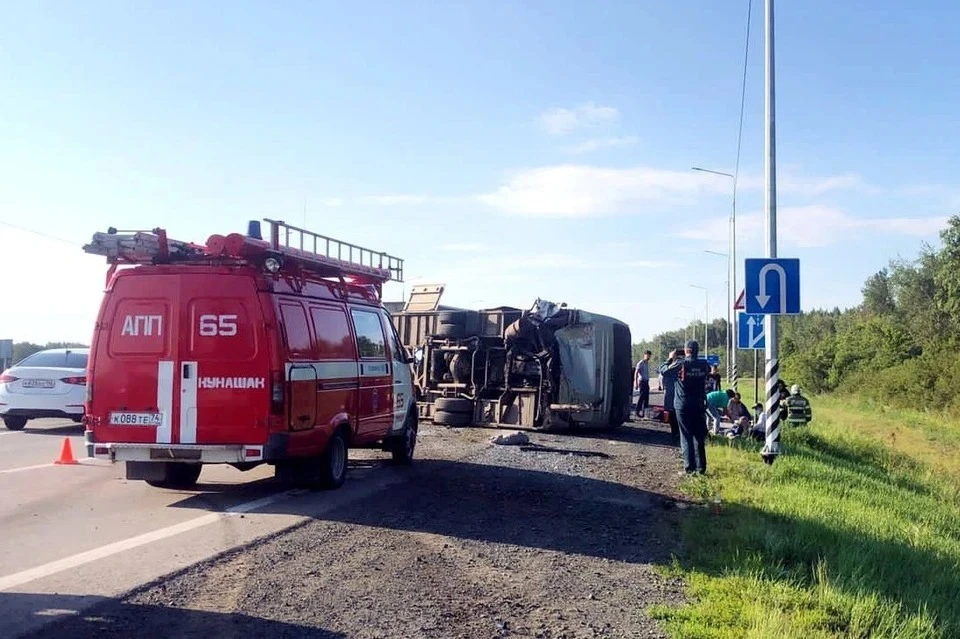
739,305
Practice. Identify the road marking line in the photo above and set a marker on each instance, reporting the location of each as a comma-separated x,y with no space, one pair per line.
59,565
17,470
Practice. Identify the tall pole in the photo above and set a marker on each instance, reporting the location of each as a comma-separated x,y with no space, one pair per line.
733,290
706,322
771,447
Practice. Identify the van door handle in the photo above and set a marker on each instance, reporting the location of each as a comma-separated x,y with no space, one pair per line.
186,371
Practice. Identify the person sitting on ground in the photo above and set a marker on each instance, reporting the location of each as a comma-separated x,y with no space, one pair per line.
798,408
717,402
759,430
737,413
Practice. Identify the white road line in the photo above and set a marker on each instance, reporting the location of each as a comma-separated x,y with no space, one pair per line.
12,432
53,567
17,470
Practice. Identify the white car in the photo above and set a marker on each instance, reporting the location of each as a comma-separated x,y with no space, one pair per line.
50,383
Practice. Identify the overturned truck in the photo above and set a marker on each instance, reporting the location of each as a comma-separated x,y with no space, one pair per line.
547,367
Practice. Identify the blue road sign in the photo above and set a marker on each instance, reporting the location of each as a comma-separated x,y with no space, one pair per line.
772,286
751,333
713,360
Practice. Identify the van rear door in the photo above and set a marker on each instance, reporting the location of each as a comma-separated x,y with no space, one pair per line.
133,358
224,369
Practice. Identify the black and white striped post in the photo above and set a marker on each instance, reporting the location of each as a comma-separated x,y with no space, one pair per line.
771,448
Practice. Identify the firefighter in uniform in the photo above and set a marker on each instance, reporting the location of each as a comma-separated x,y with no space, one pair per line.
690,402
798,408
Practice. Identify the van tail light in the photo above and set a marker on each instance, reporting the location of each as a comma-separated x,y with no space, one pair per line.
6,379
276,393
89,393
78,381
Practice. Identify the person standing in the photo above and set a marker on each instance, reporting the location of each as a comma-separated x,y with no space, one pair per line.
690,399
668,376
642,383
798,408
713,380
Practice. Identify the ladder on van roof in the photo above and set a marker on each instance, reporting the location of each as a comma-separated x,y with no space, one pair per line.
288,246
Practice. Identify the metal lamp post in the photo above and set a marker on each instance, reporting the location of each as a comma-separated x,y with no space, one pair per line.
730,343
732,268
706,317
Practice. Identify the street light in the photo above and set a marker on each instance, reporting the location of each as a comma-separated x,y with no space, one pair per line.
731,265
693,313
706,316
730,354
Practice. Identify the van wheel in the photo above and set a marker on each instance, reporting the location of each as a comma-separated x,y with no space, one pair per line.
333,462
178,475
15,422
402,447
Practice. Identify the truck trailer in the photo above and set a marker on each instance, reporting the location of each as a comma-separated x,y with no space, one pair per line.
546,367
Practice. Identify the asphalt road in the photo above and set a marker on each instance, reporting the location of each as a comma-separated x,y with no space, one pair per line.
84,533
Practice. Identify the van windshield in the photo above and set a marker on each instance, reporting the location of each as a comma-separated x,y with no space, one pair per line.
57,359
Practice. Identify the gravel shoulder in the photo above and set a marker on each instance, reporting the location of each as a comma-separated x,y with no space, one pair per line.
479,541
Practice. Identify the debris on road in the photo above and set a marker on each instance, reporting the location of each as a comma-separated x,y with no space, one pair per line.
511,439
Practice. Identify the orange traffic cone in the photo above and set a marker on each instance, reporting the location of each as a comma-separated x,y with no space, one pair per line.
66,453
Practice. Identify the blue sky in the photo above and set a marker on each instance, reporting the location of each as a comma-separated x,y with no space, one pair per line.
508,149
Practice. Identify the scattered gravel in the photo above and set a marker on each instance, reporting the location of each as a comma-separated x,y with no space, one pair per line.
482,541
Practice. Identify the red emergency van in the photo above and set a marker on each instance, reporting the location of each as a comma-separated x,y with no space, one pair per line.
245,351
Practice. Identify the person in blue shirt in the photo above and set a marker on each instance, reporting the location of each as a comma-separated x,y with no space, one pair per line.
690,402
669,387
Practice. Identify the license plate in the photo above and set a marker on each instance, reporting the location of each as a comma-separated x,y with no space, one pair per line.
136,419
38,383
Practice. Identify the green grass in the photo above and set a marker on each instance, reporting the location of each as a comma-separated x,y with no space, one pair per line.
852,533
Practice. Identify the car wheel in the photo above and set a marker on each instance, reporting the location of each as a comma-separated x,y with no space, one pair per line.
178,475
402,447
15,422
333,462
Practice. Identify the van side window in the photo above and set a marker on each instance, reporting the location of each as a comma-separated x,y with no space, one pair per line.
396,349
333,333
296,331
370,340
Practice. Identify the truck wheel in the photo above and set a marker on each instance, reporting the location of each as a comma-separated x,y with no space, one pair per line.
333,462
451,317
15,422
444,418
401,448
453,405
453,331
178,475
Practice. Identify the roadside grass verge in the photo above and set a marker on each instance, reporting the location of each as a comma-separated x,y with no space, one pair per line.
852,533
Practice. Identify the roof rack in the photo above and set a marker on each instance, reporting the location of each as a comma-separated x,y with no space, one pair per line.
288,246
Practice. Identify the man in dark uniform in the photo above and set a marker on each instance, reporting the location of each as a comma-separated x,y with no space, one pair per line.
690,402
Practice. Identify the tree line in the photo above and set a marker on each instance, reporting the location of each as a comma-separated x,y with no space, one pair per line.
897,347
22,350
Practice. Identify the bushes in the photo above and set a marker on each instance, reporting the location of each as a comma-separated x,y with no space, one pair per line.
929,382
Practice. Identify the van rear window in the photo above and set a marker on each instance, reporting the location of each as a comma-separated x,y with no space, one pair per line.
333,334
140,327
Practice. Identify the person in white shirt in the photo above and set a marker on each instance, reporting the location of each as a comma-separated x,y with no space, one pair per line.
641,383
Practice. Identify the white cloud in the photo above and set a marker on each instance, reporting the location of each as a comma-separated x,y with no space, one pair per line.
590,146
332,202
400,199
465,247
587,191
560,121
810,186
816,226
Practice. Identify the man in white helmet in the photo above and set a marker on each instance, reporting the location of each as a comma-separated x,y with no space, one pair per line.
798,408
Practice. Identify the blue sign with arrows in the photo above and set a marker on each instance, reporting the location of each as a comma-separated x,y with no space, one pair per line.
772,286
751,333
